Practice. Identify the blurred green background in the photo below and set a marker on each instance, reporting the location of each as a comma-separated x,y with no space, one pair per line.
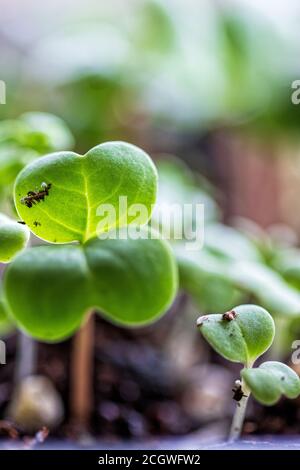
209,81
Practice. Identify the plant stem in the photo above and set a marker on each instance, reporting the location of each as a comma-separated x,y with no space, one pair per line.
239,415
82,375
26,353
26,357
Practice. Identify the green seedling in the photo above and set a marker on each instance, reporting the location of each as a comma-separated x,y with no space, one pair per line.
79,270
14,237
234,266
242,335
22,140
231,267
130,281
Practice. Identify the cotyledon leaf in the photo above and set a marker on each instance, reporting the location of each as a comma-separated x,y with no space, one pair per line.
13,238
241,335
49,289
271,380
81,189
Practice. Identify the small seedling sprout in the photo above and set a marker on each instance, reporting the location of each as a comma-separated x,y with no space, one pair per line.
242,335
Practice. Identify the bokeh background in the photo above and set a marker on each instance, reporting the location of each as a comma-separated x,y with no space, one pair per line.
172,76
205,87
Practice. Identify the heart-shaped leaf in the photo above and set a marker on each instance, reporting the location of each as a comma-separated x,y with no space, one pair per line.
241,335
130,281
271,380
13,238
63,197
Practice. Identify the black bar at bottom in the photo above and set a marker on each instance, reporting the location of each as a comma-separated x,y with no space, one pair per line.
146,459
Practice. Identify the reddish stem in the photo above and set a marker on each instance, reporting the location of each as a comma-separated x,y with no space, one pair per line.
82,369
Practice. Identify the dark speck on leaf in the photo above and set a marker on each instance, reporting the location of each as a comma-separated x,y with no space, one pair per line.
229,316
282,378
202,319
34,197
36,223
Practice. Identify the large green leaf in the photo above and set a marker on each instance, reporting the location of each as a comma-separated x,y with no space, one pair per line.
79,185
49,289
197,269
271,380
243,337
13,238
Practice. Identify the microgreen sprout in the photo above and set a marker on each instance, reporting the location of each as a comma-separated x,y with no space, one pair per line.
242,335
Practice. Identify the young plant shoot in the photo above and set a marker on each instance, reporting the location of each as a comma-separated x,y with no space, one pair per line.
242,335
63,198
22,141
